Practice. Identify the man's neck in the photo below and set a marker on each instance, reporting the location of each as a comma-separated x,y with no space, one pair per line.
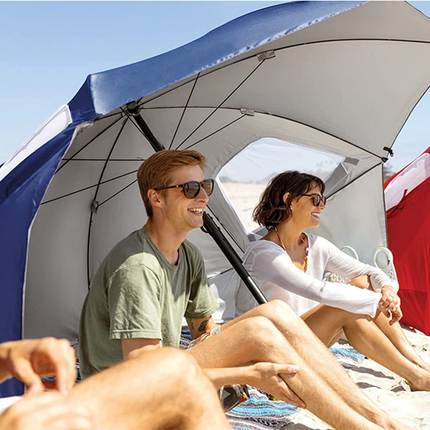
165,238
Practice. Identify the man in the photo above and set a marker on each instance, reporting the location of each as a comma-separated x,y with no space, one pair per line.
159,390
154,277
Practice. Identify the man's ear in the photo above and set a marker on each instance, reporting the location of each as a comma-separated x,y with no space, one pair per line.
154,198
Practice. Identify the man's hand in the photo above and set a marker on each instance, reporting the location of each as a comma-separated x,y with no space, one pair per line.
45,411
28,360
389,304
273,378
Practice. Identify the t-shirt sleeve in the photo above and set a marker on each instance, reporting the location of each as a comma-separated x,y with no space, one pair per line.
202,302
134,304
270,263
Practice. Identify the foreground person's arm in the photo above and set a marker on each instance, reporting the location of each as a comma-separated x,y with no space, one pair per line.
28,360
45,411
264,375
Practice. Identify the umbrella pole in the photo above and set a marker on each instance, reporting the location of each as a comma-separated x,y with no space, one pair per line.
209,225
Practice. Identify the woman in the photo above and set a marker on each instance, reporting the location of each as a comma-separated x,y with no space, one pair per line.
289,265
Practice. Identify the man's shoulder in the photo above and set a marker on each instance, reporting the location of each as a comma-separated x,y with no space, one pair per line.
130,252
192,250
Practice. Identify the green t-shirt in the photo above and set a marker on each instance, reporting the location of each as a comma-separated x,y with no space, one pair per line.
137,293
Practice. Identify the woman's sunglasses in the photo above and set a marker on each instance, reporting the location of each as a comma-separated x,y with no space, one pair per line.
317,199
192,189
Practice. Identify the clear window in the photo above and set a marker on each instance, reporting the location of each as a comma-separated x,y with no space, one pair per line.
246,175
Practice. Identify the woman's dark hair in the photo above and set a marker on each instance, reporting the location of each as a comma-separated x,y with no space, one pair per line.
271,210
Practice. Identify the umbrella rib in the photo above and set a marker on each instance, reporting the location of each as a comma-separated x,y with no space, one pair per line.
288,119
102,159
410,113
216,131
95,197
89,143
118,192
99,118
225,229
87,188
216,109
140,131
349,183
185,108
221,273
208,71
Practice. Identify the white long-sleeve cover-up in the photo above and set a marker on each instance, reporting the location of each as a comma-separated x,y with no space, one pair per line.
278,278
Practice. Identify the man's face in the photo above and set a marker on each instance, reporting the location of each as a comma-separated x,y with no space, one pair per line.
184,213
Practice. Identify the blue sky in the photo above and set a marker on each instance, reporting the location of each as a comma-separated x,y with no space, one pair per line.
48,48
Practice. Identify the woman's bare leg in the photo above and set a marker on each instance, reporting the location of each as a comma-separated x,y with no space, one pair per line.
394,332
399,340
164,389
368,339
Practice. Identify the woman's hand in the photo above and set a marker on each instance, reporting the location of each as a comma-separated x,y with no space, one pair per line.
389,304
267,376
28,360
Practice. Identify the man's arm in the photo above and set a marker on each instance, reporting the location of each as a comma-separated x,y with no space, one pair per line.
137,346
27,360
200,326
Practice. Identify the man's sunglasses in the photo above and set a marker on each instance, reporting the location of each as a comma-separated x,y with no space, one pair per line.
317,199
192,189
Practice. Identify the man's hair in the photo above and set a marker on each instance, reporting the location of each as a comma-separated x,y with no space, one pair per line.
159,168
271,210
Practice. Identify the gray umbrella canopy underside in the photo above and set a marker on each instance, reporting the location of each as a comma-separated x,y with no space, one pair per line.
344,86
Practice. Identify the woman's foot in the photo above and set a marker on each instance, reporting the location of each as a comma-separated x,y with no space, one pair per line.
420,380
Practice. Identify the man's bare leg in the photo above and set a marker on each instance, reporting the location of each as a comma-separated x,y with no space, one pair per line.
257,340
366,337
321,382
164,389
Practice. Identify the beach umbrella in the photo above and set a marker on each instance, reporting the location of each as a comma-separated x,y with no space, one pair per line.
338,77
408,216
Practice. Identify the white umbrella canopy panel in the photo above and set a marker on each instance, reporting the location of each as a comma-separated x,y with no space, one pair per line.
343,85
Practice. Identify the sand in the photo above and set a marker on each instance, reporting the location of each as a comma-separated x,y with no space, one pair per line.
385,388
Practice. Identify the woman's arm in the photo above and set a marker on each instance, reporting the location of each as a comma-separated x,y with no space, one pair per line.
270,263
344,265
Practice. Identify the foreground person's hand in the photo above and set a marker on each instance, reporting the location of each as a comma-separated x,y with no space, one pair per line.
267,376
45,411
28,360
389,304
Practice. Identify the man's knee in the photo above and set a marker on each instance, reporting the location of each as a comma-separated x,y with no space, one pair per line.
275,310
261,330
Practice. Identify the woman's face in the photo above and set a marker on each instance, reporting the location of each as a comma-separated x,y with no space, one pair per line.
304,212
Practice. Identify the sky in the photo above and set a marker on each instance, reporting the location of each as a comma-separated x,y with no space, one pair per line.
47,49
